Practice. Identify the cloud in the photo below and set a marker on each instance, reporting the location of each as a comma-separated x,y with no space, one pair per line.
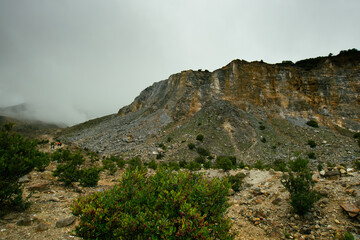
75,60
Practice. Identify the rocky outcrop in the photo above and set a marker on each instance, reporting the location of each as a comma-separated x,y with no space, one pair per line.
232,106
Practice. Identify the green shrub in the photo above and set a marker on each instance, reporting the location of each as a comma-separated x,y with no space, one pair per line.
193,166
200,137
311,155
182,163
312,123
162,146
259,164
120,163
163,206
346,236
68,171
89,177
109,165
200,159
191,146
356,164
203,151
207,164
279,165
135,163
169,139
224,163
262,127
312,143
300,185
241,164
236,181
18,157
160,156
174,166
152,164
357,135
263,139
320,166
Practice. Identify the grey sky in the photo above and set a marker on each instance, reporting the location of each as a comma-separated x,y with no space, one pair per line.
79,59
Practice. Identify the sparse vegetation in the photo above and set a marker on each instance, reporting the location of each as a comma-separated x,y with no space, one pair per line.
236,181
89,177
300,185
200,137
312,143
203,151
191,146
311,155
18,156
109,165
312,123
164,206
263,139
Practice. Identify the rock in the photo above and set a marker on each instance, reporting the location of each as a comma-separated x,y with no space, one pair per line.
343,171
24,179
43,186
337,221
322,173
65,222
350,208
333,174
276,201
41,227
24,222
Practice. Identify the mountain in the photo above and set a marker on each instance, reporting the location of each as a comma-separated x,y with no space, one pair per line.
251,110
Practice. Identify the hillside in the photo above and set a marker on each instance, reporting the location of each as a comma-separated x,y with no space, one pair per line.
251,110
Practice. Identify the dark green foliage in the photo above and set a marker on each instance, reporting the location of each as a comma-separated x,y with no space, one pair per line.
200,159
330,164
356,164
152,164
203,151
236,181
120,162
300,185
207,164
312,123
162,146
109,165
263,139
224,163
312,143
166,205
89,177
193,166
174,166
320,166
359,142
311,155
182,163
191,146
18,156
357,135
279,165
135,163
346,236
262,127
200,137
160,156
169,139
241,164
68,171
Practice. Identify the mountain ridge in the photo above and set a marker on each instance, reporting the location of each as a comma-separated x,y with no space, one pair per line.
230,104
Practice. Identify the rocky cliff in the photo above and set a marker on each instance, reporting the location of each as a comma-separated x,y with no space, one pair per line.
230,104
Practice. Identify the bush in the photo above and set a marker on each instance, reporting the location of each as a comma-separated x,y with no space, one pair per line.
207,164
89,177
182,163
203,151
357,135
193,166
191,146
200,137
152,164
312,123
236,181
279,165
262,127
312,143
135,163
174,166
241,164
18,157
68,172
311,155
109,165
259,164
160,156
200,159
300,185
163,206
120,163
224,163
263,139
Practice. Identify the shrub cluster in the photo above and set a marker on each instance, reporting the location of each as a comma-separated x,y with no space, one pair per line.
18,157
163,206
300,185
312,123
225,162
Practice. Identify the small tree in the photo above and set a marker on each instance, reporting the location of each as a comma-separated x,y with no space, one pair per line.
300,185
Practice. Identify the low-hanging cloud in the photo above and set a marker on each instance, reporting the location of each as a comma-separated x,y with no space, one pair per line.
77,60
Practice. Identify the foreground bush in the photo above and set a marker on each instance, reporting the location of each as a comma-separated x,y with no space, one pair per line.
167,205
300,185
18,156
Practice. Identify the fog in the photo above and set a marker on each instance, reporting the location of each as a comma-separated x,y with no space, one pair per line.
74,60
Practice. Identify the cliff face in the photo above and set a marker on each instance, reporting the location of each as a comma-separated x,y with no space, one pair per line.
329,92
229,105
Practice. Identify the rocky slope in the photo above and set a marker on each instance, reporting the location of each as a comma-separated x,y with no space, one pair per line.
250,110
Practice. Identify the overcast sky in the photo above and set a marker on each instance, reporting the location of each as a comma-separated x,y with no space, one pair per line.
79,59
